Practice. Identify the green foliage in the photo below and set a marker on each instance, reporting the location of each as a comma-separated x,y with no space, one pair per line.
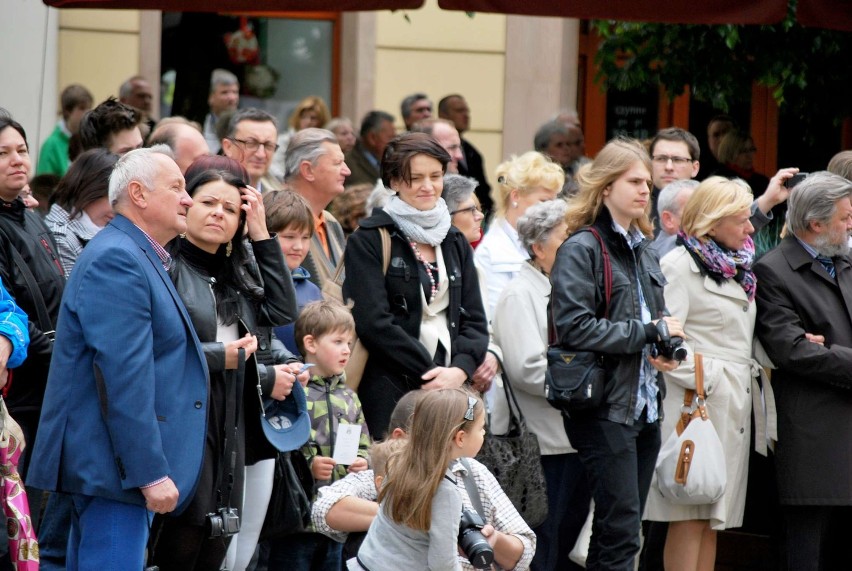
808,70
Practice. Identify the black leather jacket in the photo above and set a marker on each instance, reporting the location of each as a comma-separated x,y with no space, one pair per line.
278,307
24,231
578,299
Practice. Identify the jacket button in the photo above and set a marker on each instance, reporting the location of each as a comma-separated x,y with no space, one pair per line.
745,308
198,404
748,390
452,278
742,430
263,346
452,324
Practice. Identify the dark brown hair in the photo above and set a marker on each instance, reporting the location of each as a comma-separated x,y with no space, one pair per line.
86,181
396,162
285,208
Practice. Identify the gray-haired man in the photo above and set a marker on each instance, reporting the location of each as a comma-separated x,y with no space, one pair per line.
670,205
224,96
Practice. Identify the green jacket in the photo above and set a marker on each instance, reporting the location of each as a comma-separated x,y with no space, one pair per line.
53,158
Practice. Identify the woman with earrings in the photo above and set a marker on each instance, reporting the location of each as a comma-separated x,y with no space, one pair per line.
227,307
422,320
521,182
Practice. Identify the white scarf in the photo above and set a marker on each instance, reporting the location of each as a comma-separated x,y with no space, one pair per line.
421,226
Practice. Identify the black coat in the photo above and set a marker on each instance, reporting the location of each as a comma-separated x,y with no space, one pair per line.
578,298
24,231
474,167
813,383
193,283
388,311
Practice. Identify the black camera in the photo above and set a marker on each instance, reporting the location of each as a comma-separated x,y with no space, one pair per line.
668,346
471,541
224,523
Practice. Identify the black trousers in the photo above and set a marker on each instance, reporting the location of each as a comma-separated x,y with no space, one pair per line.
619,460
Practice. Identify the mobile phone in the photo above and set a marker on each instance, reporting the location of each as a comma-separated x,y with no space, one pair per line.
795,179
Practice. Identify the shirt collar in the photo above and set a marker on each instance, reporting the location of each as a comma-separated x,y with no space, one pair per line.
808,248
633,237
164,256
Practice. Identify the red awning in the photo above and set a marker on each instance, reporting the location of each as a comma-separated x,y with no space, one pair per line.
242,5
832,14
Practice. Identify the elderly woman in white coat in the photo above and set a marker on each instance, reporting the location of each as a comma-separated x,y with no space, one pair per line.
521,182
711,289
520,328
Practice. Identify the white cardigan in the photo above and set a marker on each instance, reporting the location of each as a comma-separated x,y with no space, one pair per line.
500,255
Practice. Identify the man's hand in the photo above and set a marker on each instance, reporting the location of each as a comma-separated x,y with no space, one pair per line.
358,465
161,498
484,374
776,192
321,467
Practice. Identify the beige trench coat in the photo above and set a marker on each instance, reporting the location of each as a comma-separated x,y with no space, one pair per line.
719,323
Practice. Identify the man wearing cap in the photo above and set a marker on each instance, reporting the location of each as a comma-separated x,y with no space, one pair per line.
118,432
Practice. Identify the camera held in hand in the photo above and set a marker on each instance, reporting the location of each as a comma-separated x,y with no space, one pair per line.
668,346
471,541
224,523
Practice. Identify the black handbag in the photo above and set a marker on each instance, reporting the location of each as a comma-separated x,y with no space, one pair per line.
289,508
515,460
575,380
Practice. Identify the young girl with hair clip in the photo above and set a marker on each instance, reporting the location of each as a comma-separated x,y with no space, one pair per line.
420,506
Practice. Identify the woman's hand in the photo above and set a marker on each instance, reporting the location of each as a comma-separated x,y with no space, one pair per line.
255,213
776,192
249,343
818,339
484,374
284,381
443,378
675,328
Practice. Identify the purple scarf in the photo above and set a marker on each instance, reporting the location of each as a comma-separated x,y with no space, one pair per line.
721,263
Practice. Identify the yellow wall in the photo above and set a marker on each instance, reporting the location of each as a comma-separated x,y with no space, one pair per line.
98,49
441,52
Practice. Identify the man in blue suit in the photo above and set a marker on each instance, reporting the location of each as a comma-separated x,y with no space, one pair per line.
124,414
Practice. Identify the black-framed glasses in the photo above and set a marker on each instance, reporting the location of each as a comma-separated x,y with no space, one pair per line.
471,403
251,145
663,159
470,209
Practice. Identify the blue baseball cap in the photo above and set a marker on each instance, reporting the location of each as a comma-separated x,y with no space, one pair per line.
286,423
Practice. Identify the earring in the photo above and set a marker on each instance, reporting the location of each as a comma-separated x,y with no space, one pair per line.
514,204
228,249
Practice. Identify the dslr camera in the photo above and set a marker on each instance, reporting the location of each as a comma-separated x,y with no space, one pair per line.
668,346
471,541
224,523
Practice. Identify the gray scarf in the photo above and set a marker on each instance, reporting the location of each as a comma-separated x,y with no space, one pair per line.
421,226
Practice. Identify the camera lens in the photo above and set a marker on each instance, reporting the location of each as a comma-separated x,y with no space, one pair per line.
476,548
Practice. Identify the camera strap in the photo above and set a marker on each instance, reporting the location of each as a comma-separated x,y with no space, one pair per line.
472,489
233,402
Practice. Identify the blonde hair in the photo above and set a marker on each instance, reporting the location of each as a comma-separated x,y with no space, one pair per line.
714,199
310,103
414,474
595,177
524,174
320,318
381,452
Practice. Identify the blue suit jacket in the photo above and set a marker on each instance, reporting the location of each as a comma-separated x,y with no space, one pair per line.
126,399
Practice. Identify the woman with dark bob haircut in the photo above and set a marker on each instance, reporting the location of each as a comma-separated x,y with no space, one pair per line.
80,207
422,321
227,308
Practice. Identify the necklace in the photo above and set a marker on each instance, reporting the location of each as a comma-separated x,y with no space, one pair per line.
429,269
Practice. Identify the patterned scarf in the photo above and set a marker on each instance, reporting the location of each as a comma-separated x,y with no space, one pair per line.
421,226
721,263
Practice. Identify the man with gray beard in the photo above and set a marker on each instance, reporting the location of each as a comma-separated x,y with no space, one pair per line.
805,285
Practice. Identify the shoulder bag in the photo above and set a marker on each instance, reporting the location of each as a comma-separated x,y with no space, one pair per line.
575,379
691,465
333,289
515,460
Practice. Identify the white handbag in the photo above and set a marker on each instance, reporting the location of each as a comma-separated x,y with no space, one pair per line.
691,465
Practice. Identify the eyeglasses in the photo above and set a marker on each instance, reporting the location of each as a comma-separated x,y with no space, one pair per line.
471,403
470,209
251,145
663,159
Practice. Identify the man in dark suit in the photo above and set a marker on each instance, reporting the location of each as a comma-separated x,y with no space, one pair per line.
805,285
365,159
125,410
454,108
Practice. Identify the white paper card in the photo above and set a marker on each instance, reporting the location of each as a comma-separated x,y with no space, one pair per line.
346,443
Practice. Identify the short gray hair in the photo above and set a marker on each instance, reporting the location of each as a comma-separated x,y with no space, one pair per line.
408,103
338,122
815,200
535,226
306,145
222,77
667,200
138,165
546,131
457,189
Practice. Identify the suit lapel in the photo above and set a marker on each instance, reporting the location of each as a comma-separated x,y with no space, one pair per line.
800,260
844,281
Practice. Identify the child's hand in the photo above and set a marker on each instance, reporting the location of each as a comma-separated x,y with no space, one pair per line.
358,465
321,467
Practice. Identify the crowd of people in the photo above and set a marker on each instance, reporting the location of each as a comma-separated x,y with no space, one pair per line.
172,349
